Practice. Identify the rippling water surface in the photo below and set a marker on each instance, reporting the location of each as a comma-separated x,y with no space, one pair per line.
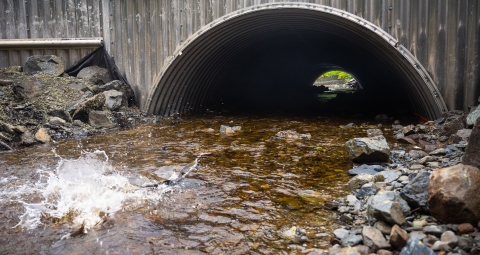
105,194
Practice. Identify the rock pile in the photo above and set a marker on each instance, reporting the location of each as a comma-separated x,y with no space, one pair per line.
424,201
39,102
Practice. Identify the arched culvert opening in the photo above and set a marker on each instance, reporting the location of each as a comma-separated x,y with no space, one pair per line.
269,55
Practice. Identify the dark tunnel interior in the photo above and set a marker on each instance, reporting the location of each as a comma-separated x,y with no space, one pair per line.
267,61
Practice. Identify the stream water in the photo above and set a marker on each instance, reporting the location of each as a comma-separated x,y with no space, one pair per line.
106,194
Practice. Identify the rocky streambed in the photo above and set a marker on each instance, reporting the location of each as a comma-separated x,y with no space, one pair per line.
416,196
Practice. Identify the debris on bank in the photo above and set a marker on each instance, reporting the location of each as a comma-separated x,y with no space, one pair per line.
40,103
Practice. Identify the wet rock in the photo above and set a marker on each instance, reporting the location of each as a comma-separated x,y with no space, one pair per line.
383,227
113,99
291,134
415,246
226,130
343,251
415,192
473,150
128,95
312,197
366,169
398,237
56,121
453,194
449,238
383,206
416,154
374,132
473,116
374,239
294,234
95,75
92,104
100,119
363,150
27,138
42,136
49,64
359,180
465,228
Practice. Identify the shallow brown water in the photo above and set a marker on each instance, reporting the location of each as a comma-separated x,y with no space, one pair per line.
252,187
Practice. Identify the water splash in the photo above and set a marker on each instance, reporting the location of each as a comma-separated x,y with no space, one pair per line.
84,192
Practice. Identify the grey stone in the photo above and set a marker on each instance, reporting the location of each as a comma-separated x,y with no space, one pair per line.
416,154
100,119
453,123
426,159
363,150
96,75
450,238
94,103
473,116
49,64
473,150
340,233
56,121
417,235
27,138
440,151
359,180
408,130
390,175
128,95
441,246
366,190
374,239
351,240
366,169
464,243
383,227
383,206
416,192
414,247
354,202
113,99
435,230
60,113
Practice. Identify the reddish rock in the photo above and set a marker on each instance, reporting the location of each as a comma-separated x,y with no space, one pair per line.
465,228
453,194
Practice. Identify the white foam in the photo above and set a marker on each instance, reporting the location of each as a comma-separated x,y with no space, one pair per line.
84,192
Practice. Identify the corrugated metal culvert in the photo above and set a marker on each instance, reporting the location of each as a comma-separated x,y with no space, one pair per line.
437,55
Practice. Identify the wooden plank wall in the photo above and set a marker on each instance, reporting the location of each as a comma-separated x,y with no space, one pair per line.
142,35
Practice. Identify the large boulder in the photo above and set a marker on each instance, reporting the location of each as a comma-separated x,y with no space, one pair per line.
415,192
49,64
372,149
94,74
472,153
453,194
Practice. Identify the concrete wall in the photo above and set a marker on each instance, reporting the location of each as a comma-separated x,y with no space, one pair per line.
142,35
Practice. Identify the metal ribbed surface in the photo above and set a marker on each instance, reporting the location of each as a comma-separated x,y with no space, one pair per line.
143,36
210,64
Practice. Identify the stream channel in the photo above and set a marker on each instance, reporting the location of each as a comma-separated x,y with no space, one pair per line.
105,194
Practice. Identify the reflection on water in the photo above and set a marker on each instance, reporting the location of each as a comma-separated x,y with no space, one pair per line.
107,194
